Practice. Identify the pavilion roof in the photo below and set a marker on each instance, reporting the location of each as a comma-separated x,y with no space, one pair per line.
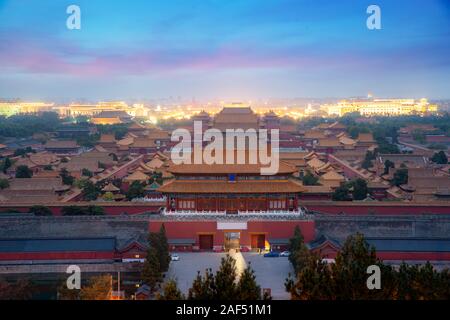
239,187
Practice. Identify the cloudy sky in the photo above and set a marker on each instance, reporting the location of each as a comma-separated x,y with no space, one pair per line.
229,49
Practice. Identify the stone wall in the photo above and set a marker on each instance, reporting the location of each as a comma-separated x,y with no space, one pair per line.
339,227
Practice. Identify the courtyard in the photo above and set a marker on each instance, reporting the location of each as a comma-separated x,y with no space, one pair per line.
270,272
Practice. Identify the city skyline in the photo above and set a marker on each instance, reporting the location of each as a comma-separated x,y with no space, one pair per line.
219,50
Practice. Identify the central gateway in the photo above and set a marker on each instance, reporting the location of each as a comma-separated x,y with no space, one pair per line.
232,240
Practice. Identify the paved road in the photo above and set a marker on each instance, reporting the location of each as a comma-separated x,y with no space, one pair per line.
270,272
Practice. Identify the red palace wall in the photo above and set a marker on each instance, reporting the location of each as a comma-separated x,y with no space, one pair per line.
271,230
377,208
56,255
314,204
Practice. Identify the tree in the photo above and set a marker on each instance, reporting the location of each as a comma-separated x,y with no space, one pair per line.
99,288
203,287
108,196
86,172
136,190
247,288
6,164
367,163
314,281
67,179
400,177
151,274
90,191
387,165
171,291
39,210
225,279
19,290
4,183
350,269
439,157
299,251
163,249
23,171
64,293
95,211
342,193
309,179
360,189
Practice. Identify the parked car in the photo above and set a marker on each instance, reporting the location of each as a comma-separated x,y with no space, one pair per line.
174,257
272,254
285,254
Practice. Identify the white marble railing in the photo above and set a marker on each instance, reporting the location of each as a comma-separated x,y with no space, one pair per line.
187,212
275,212
298,212
160,199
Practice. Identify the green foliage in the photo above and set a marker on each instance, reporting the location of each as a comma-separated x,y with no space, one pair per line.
90,191
297,249
23,171
360,189
171,291
225,279
39,210
439,157
151,274
108,196
21,289
203,287
4,183
5,164
309,179
341,193
87,173
119,130
247,288
136,190
26,125
99,288
387,165
67,179
82,211
367,163
23,151
224,285
346,279
400,177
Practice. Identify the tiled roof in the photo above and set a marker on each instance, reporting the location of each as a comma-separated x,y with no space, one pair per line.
61,144
332,175
365,137
329,142
410,244
57,245
143,142
107,138
315,163
25,184
136,176
284,168
244,186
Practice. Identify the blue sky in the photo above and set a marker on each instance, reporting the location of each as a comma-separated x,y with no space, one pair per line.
234,49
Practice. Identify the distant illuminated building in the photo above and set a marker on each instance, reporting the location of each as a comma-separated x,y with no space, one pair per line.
11,108
386,107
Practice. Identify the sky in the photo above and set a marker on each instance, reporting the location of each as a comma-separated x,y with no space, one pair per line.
224,49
